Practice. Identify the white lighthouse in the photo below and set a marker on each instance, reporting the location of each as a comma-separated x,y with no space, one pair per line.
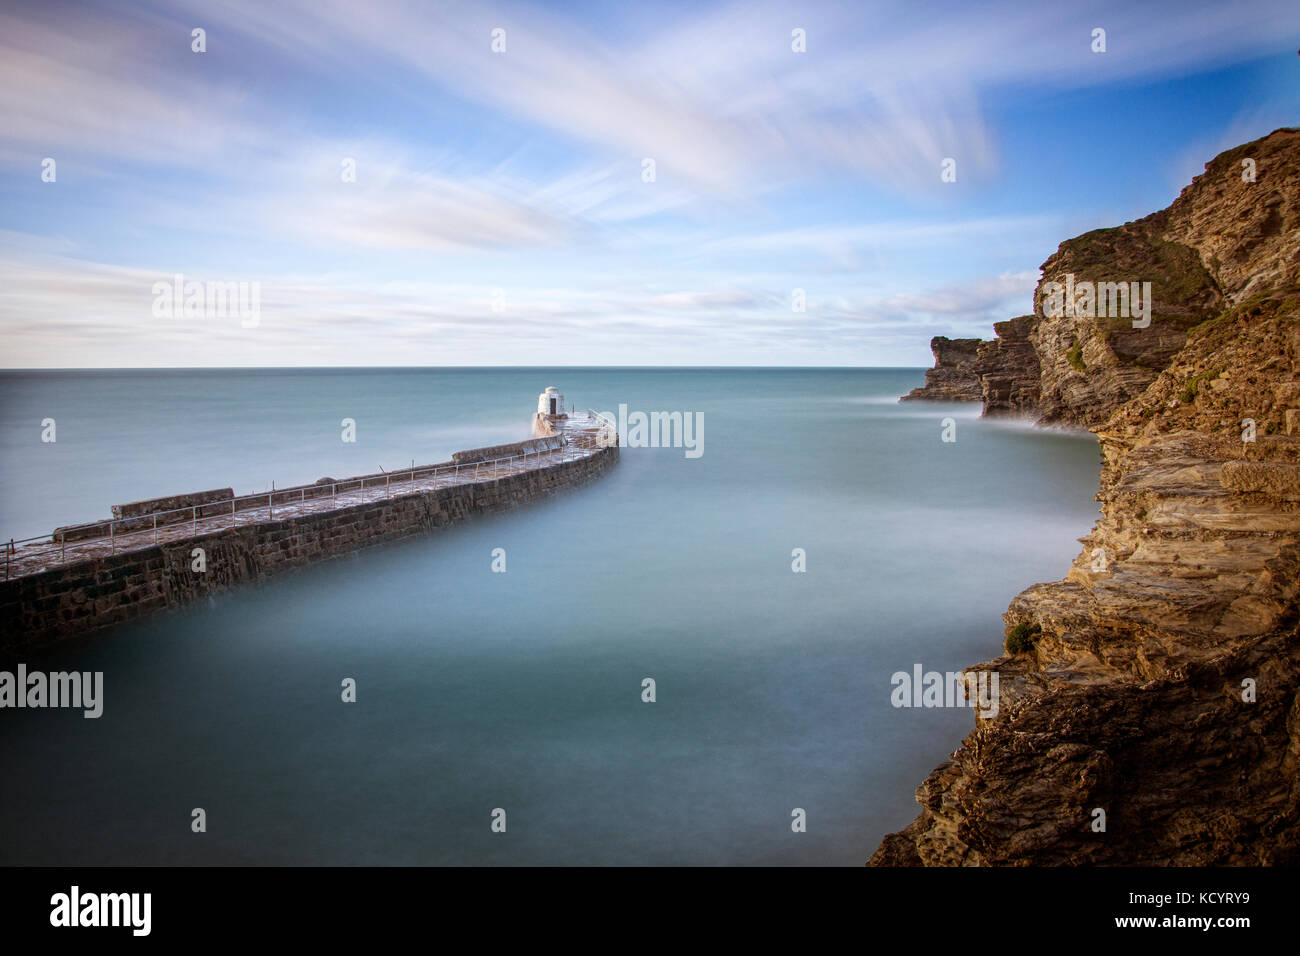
550,404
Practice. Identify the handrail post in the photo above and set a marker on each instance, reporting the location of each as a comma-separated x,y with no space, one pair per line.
9,548
270,506
112,541
155,527
63,546
194,520
334,487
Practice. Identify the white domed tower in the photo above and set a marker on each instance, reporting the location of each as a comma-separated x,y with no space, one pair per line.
550,404
550,413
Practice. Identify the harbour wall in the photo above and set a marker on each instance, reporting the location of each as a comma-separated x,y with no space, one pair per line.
73,599
532,446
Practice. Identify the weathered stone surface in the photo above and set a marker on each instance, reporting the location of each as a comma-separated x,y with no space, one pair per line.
531,446
1133,697
172,502
953,378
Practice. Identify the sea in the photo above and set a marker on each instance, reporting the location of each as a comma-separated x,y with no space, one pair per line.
824,539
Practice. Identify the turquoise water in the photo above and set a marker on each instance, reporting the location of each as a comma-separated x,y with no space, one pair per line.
522,690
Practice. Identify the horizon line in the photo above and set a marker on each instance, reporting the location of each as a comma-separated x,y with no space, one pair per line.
278,368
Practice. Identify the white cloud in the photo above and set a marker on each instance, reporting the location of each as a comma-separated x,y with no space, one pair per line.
56,311
84,82
720,101
977,298
394,209
248,145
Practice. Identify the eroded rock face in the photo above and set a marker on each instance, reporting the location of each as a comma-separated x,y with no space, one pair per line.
1246,233
1221,241
1091,365
953,378
1163,687
1008,369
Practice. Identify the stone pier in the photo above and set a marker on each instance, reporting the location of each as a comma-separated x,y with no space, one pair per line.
92,576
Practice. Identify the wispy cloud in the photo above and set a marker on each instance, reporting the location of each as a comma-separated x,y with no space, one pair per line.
112,85
716,96
976,299
389,207
107,310
522,171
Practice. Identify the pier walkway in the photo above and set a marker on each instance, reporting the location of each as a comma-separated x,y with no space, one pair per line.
582,435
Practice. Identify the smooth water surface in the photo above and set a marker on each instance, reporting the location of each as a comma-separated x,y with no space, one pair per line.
522,690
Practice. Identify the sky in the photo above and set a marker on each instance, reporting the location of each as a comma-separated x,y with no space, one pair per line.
502,209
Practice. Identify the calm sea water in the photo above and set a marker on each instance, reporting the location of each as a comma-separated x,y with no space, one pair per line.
522,690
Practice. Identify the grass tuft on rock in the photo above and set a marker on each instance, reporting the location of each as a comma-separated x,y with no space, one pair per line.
1022,637
1074,355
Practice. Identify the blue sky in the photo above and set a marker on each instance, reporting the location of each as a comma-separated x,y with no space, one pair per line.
499,214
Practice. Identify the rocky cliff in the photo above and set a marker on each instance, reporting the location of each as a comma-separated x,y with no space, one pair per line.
1229,234
953,378
1008,368
1150,701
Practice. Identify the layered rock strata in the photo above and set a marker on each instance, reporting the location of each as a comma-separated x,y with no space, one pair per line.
953,378
1156,689
1233,232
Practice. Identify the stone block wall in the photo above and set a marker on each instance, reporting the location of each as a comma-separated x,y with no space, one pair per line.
172,502
74,599
531,446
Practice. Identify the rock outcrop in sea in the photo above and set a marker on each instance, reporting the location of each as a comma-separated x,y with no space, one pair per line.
1150,713
953,378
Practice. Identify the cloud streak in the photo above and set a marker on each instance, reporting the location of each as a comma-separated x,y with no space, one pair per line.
523,171
108,310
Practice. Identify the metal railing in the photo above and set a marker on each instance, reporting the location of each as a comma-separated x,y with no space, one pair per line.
138,531
598,438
